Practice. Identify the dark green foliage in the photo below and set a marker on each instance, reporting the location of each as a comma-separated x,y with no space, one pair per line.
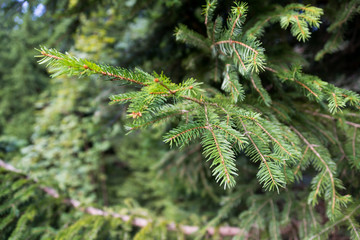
344,14
21,30
32,212
222,125
241,102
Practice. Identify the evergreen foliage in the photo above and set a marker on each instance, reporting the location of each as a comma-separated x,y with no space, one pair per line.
337,28
243,110
23,28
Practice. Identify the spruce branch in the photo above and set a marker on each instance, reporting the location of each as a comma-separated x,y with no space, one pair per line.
256,83
355,125
327,169
253,212
284,149
208,10
249,55
231,84
354,209
232,134
347,10
273,178
301,161
300,17
224,126
319,90
162,114
354,229
354,144
183,34
76,66
184,134
226,168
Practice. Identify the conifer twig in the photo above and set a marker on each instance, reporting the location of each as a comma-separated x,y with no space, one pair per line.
101,72
237,42
311,146
356,125
258,150
346,217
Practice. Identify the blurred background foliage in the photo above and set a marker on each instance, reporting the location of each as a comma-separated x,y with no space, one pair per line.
63,132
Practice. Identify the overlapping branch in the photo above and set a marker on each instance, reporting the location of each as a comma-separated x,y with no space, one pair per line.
325,164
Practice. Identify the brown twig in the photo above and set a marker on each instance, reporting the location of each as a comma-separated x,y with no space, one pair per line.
138,222
356,125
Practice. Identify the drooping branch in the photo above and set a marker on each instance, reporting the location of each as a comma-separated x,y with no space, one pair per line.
259,152
327,169
220,153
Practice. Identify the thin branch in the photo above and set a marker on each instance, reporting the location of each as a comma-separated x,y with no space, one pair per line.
302,84
256,88
237,53
169,90
227,132
298,23
347,217
356,125
258,150
123,99
339,143
312,217
193,99
51,56
346,17
354,228
298,82
260,25
274,139
236,42
183,132
181,112
99,72
138,222
162,84
255,214
335,101
220,154
217,145
311,146
233,27
270,69
202,102
318,186
303,156
304,220
353,144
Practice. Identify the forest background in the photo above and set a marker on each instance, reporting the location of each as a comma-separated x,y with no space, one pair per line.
62,131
